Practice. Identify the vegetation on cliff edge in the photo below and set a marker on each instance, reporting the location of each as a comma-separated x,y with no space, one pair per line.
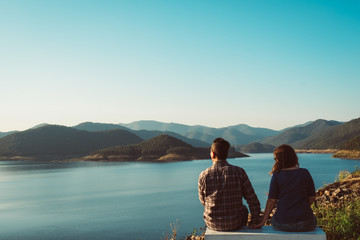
337,207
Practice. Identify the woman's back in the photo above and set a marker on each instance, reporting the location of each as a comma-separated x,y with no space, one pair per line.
292,188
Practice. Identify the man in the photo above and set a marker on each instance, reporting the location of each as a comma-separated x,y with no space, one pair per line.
221,189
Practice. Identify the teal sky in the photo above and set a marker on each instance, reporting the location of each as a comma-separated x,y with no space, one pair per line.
270,64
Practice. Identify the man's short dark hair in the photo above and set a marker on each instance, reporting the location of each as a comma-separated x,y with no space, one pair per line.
221,148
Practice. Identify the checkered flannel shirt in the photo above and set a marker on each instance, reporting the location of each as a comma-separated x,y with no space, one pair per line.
221,189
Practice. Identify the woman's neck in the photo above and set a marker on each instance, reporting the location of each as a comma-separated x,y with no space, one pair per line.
290,168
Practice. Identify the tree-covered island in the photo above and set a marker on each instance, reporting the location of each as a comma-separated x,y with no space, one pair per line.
159,148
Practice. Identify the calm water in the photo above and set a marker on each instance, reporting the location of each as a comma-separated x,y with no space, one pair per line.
122,200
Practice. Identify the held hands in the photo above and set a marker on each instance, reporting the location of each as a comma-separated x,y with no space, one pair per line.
259,225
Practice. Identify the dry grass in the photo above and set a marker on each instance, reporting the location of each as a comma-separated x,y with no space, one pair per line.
348,154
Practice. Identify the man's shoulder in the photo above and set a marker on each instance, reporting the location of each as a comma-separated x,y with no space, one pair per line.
206,171
237,168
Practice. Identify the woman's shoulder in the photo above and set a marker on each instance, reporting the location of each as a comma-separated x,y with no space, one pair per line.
292,171
304,170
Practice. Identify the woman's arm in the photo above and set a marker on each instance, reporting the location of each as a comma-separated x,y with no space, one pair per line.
270,204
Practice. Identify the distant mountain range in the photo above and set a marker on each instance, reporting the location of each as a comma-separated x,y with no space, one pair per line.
60,140
238,134
144,134
320,134
89,137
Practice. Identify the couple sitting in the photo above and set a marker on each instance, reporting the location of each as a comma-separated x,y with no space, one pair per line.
222,187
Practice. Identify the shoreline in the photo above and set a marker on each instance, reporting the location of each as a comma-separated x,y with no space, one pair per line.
116,158
330,151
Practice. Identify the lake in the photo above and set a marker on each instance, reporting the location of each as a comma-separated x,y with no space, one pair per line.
97,200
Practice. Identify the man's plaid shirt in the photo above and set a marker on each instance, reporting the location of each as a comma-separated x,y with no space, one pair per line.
221,189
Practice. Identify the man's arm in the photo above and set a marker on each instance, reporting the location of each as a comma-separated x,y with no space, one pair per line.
201,190
251,198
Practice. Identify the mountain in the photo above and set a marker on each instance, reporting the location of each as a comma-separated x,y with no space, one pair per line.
40,125
160,126
234,136
144,134
238,134
96,127
255,148
258,132
333,137
299,125
163,147
61,140
297,135
3,134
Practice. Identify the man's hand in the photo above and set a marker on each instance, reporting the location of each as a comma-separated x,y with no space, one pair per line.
259,225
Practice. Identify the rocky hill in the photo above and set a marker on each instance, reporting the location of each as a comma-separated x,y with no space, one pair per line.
337,207
338,193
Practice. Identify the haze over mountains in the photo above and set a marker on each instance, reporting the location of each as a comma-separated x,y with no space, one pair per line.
238,134
88,137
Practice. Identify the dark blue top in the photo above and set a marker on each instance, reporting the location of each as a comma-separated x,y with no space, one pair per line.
292,188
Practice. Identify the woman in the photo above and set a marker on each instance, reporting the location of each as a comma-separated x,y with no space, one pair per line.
292,189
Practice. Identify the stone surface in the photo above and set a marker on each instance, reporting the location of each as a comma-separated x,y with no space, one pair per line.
265,233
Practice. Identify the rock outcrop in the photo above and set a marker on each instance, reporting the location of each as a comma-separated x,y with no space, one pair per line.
339,192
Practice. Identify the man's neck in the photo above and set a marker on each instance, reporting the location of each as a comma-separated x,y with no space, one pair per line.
216,160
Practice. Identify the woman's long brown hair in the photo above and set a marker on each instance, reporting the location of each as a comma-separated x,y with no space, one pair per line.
285,157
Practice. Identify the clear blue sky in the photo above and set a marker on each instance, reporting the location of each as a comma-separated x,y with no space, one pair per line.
270,64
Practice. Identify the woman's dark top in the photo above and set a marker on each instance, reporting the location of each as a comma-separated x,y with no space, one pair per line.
292,188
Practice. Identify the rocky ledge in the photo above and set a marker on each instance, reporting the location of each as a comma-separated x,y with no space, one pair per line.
339,192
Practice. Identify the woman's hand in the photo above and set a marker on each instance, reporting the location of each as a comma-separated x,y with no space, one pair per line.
259,225
270,204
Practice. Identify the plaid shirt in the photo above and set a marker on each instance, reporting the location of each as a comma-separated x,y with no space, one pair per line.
221,189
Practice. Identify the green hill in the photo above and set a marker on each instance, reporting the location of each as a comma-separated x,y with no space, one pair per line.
163,147
296,135
352,144
60,140
332,138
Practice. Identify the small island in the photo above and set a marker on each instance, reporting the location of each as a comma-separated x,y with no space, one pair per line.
162,148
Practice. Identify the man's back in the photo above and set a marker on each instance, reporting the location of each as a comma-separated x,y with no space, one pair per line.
221,188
